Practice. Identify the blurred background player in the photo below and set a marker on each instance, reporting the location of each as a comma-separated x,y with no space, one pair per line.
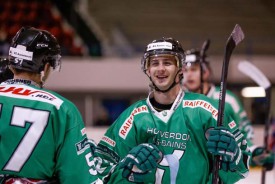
197,78
5,72
163,138
43,139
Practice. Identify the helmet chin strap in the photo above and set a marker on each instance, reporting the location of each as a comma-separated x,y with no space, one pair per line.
170,87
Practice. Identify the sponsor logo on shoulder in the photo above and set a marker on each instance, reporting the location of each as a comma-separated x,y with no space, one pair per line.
232,124
83,131
127,125
109,141
201,104
82,146
30,93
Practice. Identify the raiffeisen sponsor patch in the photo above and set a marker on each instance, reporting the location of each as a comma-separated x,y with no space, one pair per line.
127,125
201,104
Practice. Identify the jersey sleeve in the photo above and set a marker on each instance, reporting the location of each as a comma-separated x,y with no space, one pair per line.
75,161
108,158
118,140
246,126
240,116
242,169
109,152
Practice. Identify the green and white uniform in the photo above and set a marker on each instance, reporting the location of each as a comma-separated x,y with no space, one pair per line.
236,108
180,133
42,136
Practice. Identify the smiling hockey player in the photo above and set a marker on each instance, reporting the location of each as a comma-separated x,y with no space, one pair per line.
171,136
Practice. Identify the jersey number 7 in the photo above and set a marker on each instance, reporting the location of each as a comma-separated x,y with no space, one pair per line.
20,117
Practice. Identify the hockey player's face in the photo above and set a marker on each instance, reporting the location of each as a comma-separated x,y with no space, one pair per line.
162,70
191,77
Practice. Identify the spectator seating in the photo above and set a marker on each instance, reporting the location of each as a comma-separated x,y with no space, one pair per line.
17,13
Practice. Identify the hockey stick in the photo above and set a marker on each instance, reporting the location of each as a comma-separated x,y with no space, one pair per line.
256,75
234,39
204,48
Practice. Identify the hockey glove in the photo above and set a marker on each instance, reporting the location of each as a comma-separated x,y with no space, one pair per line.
221,142
140,161
262,158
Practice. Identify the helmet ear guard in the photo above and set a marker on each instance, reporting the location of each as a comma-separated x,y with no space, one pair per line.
32,48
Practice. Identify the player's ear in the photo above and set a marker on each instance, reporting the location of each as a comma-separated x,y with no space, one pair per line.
148,72
46,71
47,68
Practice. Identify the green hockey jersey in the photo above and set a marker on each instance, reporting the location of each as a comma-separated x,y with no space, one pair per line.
239,115
180,133
42,136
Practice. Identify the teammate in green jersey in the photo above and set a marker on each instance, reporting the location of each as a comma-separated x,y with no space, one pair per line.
171,136
42,134
195,81
5,72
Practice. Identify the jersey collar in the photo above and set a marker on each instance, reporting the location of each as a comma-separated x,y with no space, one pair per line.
166,114
21,81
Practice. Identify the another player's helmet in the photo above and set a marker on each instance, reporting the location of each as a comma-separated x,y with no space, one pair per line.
160,47
192,56
5,72
32,48
197,55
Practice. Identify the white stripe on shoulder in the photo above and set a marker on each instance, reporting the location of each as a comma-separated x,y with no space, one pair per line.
233,102
228,99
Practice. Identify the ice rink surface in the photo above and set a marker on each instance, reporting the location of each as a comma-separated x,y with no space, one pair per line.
255,177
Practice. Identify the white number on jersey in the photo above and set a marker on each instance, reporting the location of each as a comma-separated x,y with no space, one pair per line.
38,120
171,161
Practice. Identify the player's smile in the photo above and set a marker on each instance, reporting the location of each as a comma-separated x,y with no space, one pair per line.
161,78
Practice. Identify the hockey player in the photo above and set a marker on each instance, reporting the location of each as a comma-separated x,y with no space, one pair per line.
170,137
5,72
42,134
200,82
